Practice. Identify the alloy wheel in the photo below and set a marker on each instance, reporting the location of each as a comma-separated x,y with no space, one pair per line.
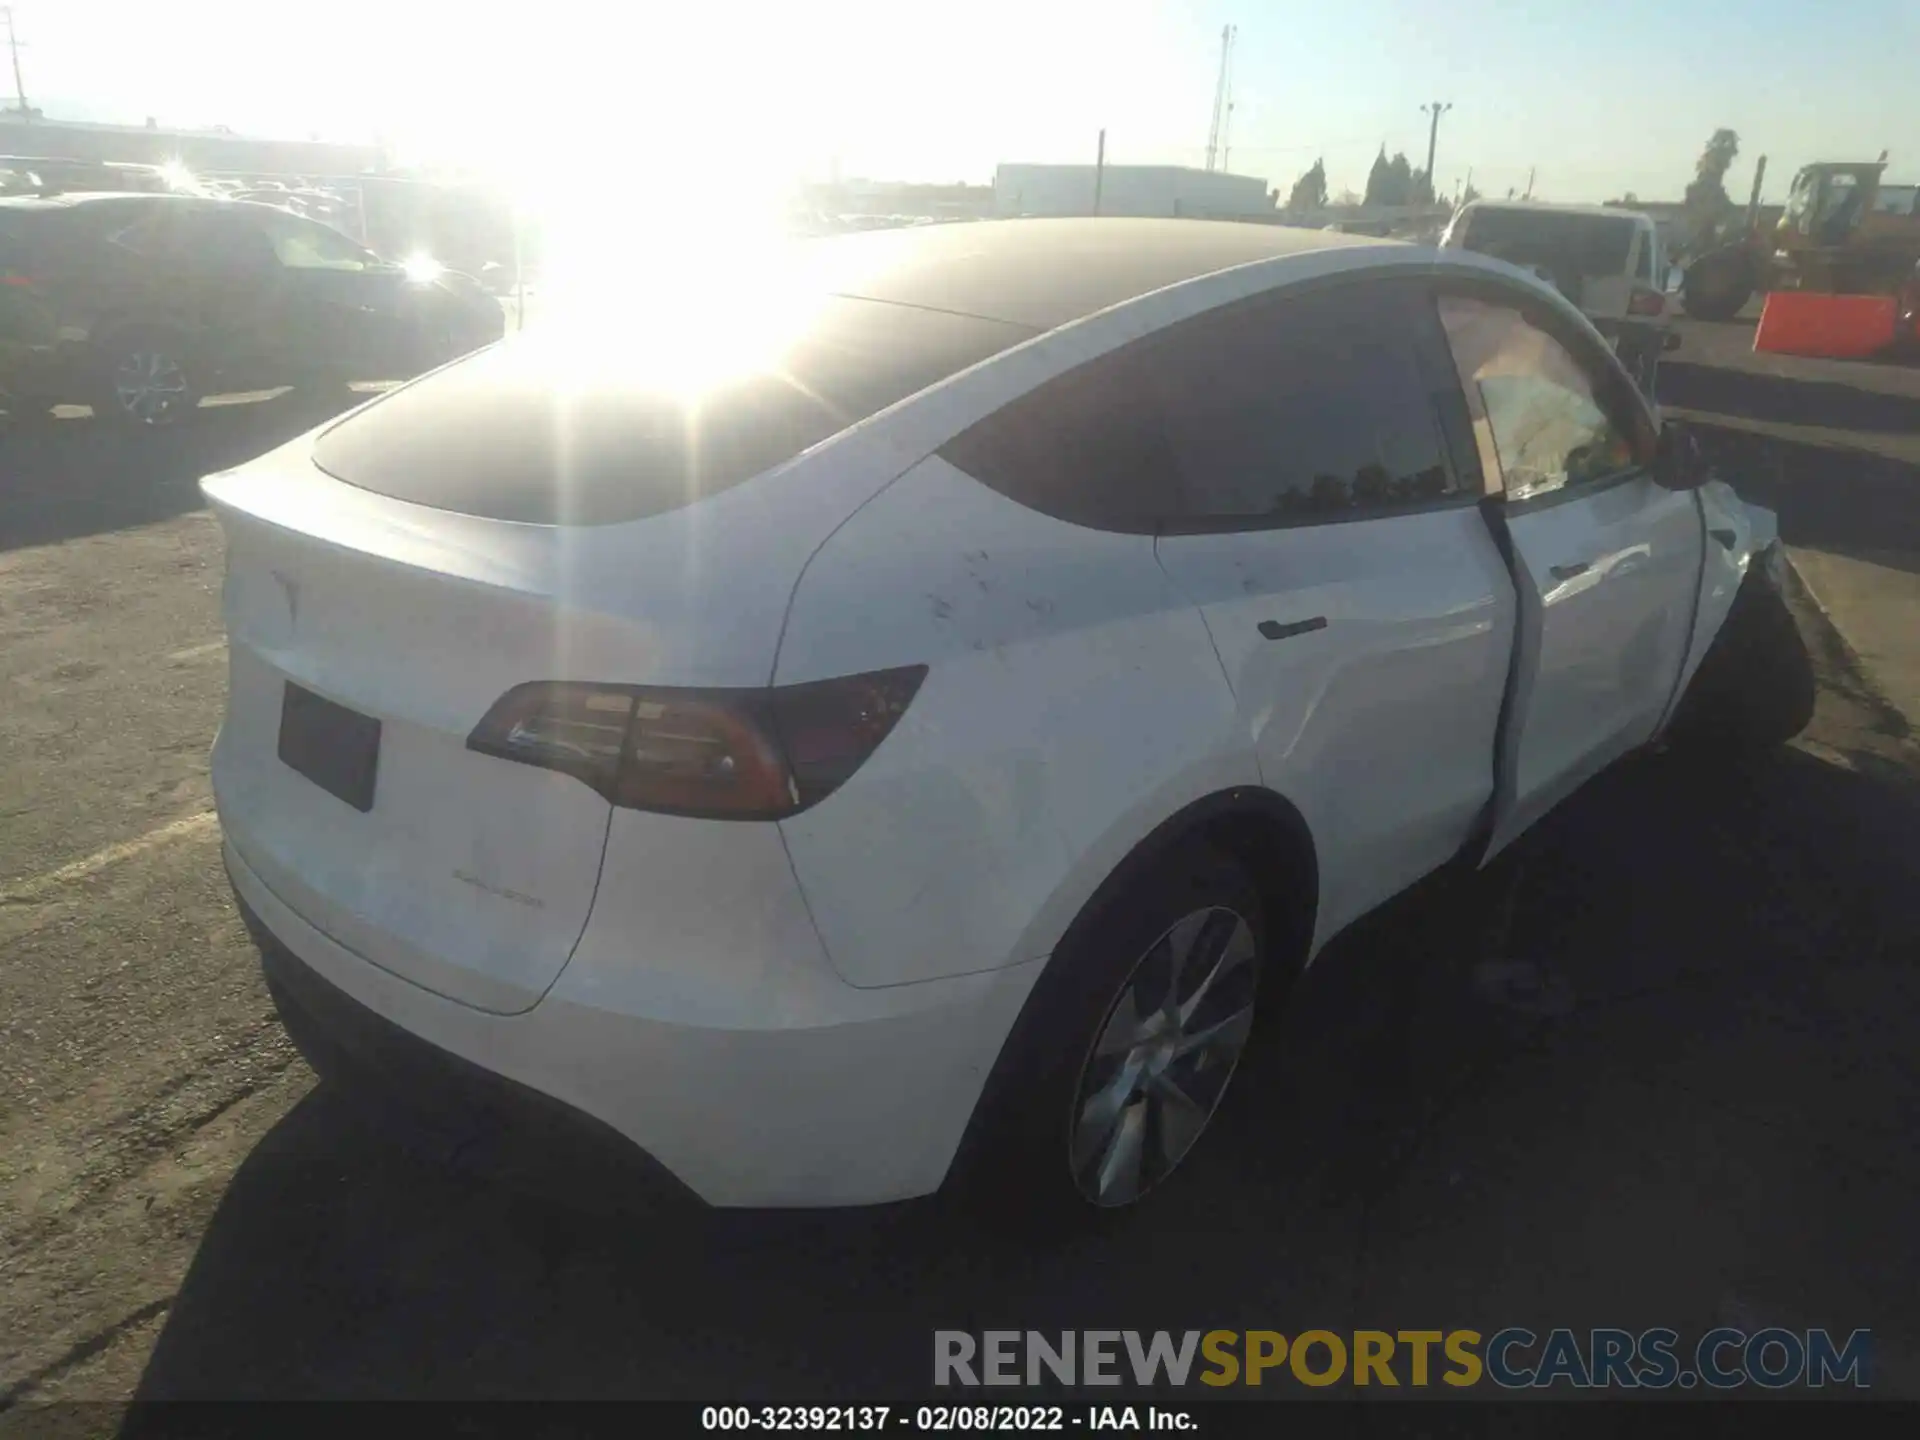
1167,1048
150,386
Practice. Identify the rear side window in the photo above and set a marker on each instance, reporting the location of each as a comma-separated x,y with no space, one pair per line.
1643,265
1286,410
546,431
1089,447
1553,240
59,239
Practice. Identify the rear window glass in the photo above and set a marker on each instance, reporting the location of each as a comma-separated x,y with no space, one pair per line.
53,227
1898,200
1582,244
532,432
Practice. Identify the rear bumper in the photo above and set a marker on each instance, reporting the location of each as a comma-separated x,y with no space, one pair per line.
345,1041
844,1098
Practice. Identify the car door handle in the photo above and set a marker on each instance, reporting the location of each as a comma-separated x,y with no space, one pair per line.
1567,572
1726,538
1274,630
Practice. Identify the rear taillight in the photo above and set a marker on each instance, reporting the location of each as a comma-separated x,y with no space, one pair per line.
722,754
1647,302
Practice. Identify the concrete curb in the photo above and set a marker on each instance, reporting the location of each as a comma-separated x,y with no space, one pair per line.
1876,691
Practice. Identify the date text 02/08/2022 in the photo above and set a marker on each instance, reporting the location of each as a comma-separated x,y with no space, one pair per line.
943,1418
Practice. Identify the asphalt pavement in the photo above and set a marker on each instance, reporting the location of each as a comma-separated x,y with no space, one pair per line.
1701,1111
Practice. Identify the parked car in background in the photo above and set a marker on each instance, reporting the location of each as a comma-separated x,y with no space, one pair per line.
53,175
907,754
18,178
1610,262
28,335
157,300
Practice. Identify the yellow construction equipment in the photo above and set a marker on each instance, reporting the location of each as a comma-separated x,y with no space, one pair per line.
1844,231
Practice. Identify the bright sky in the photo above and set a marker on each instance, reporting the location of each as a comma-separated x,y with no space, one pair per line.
1602,98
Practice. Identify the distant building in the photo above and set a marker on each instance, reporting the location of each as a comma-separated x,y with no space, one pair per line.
893,197
1129,190
199,150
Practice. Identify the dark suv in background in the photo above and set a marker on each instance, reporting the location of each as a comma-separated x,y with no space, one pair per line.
140,304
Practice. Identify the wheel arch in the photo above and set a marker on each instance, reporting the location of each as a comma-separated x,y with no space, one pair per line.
1260,829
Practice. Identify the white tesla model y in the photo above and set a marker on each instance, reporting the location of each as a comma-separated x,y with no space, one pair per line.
908,727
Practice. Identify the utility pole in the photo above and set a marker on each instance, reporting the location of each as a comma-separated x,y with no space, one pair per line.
1099,170
1529,194
1436,109
13,46
1221,91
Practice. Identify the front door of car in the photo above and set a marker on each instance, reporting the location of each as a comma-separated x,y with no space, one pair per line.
349,315
1348,582
1607,561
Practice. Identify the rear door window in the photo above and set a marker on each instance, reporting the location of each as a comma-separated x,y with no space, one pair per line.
1285,410
301,244
1307,408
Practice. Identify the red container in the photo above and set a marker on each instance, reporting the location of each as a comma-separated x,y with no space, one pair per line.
1836,327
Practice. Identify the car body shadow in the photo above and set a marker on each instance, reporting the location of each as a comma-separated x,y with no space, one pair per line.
1671,899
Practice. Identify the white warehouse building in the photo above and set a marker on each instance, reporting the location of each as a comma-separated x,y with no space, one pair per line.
1128,190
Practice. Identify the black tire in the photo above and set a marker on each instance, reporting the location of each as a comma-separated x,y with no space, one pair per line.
1755,690
161,354
1715,290
1016,1169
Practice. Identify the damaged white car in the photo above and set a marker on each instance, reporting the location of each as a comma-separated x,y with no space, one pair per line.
907,747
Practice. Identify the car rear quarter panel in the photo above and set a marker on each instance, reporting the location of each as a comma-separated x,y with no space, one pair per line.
1073,700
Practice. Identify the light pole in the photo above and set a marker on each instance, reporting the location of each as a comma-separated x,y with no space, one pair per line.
1435,108
13,46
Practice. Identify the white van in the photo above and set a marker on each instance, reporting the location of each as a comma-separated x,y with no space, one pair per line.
1610,262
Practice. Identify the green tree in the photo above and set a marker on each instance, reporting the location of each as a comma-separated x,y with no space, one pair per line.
1402,174
1391,182
1379,180
1310,190
1707,193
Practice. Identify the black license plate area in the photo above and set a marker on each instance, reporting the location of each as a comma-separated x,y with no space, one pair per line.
336,748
